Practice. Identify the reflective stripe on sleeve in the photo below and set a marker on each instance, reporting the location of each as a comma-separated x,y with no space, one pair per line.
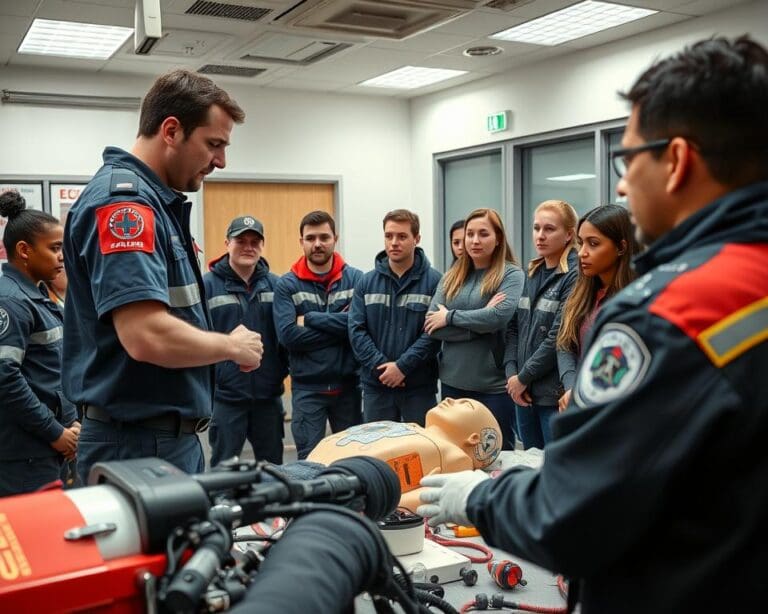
732,336
11,354
309,297
184,296
44,337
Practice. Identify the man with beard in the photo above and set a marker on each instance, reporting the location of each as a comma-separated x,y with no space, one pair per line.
311,308
138,346
240,290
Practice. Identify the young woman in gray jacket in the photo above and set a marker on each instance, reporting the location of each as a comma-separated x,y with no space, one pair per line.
470,310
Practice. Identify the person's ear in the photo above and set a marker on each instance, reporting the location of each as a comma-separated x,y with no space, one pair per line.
680,159
418,238
171,131
22,251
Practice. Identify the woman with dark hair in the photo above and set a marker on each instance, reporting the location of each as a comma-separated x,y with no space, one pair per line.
37,425
531,357
456,238
607,244
469,313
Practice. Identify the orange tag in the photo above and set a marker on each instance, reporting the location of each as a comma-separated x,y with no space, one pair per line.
408,470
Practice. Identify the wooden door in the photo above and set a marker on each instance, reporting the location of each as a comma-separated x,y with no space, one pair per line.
279,206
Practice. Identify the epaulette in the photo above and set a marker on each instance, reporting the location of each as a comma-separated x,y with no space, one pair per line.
123,181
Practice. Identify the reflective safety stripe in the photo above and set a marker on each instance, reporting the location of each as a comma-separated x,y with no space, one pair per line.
220,301
12,354
422,299
184,296
544,304
341,295
735,334
266,297
44,337
377,299
309,297
524,302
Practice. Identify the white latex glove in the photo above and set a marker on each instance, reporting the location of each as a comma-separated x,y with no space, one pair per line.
446,496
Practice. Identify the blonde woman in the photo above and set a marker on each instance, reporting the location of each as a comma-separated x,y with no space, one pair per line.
530,357
470,310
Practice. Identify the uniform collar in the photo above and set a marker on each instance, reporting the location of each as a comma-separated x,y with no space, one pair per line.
35,292
119,157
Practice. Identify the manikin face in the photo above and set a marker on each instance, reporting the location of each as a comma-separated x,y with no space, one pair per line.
550,235
43,257
194,157
400,242
318,243
598,255
470,425
245,249
480,241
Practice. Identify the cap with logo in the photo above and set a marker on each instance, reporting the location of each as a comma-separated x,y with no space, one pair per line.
243,224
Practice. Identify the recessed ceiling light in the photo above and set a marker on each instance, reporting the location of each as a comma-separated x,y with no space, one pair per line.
573,22
574,177
73,40
482,51
411,77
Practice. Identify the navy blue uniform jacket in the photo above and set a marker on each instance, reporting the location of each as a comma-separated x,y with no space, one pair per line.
33,412
231,303
386,323
320,356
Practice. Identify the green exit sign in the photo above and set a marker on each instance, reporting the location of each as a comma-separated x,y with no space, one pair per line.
497,122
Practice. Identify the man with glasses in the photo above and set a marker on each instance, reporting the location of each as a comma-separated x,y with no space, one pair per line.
653,496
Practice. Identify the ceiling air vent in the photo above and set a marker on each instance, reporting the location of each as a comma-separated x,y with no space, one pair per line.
227,11
395,19
232,71
506,5
289,49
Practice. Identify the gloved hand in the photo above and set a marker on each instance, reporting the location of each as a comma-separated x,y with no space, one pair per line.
446,496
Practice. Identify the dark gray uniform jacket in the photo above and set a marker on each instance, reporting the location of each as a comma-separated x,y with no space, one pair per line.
654,490
530,350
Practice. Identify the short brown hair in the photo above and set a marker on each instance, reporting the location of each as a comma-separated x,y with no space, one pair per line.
317,218
187,96
403,215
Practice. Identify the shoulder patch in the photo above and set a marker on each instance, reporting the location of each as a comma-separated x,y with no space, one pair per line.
5,321
126,227
615,364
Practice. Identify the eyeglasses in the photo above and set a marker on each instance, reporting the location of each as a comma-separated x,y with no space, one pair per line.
620,158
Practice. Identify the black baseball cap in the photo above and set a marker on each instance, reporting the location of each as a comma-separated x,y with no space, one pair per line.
243,224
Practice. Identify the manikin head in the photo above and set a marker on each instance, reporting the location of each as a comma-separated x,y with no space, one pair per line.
470,425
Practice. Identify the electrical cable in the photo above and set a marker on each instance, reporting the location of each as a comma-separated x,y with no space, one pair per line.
497,602
460,543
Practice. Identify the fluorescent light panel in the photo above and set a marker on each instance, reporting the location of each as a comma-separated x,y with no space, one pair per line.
71,39
573,22
574,177
411,77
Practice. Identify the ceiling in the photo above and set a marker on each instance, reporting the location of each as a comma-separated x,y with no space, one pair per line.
296,47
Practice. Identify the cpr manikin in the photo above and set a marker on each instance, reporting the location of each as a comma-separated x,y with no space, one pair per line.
460,434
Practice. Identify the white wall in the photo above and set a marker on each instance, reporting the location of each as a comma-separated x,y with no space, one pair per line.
382,148
363,140
576,89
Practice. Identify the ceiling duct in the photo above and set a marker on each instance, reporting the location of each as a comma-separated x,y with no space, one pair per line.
506,5
395,19
289,49
232,71
227,11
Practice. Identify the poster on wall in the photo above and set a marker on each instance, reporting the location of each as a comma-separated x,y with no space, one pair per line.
63,196
32,193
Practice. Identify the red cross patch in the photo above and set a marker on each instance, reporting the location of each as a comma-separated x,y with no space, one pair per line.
126,227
